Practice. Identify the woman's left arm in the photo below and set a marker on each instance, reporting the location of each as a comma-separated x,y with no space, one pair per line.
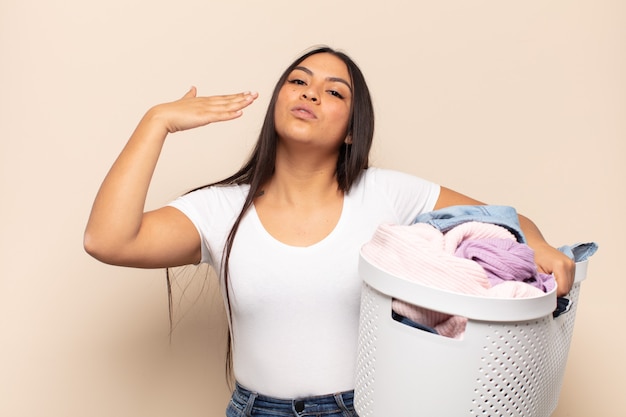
549,260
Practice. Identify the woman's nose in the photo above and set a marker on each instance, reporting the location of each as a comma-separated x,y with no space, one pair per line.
310,95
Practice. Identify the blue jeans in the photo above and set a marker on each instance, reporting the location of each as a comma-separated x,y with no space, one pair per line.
245,403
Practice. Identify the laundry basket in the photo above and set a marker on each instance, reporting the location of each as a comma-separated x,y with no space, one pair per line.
509,362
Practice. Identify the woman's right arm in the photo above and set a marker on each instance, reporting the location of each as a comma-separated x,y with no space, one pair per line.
119,232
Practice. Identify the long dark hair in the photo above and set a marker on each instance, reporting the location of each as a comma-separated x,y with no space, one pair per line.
352,160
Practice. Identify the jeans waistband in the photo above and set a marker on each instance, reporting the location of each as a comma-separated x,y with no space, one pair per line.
337,402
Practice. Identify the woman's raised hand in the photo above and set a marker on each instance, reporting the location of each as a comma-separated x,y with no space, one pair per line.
118,230
191,111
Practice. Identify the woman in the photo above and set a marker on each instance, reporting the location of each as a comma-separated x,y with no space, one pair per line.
283,233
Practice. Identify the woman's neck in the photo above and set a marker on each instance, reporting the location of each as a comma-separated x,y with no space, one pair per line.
303,180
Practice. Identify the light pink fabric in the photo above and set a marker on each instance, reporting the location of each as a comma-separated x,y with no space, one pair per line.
423,254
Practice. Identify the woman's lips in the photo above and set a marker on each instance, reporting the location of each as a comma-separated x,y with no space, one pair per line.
303,112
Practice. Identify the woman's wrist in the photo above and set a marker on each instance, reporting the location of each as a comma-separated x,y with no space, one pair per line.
154,124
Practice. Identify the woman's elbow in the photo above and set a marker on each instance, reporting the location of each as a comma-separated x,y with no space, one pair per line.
97,248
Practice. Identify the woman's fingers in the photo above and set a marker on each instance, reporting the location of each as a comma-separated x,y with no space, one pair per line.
191,111
221,108
234,101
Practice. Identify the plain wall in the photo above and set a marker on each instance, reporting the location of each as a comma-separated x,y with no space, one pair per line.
518,103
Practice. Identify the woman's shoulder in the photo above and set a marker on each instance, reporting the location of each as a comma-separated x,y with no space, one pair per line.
405,194
223,189
385,177
229,195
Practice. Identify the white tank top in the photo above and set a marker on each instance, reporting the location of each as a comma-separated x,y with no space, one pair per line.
295,310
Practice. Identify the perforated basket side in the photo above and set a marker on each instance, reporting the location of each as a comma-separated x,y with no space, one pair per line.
513,372
366,358
523,366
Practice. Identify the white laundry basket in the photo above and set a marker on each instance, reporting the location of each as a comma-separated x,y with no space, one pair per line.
510,361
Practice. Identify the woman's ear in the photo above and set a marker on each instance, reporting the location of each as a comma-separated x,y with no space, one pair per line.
348,140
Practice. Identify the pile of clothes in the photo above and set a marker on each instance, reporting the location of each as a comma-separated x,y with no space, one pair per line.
474,250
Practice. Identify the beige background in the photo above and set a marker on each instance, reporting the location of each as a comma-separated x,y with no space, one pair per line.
520,103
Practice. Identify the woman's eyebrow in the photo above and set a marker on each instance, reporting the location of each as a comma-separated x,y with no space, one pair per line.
332,79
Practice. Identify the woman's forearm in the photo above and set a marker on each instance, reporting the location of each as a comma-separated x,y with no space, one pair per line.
531,232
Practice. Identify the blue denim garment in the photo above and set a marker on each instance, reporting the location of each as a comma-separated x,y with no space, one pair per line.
579,252
245,403
449,217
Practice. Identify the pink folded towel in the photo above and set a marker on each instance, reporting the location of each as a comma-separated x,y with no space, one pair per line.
421,253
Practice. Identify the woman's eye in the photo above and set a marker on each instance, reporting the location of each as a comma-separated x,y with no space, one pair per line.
335,93
297,81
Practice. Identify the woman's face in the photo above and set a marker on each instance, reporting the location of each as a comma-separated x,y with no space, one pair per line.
313,106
